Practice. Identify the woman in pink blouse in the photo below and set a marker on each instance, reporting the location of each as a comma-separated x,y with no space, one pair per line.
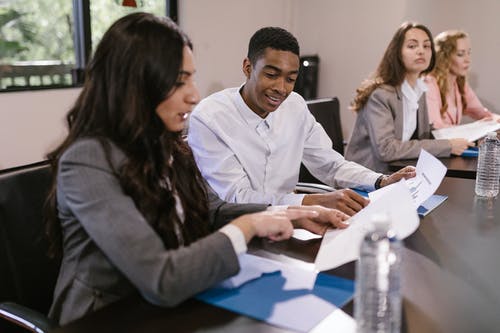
449,96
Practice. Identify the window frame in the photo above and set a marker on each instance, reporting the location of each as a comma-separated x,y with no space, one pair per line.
82,39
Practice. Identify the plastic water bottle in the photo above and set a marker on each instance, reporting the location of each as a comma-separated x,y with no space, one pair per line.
377,305
488,167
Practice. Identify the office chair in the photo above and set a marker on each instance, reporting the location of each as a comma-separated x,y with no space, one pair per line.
28,275
327,113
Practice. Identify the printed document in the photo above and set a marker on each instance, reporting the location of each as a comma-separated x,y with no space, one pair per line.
471,131
430,174
341,246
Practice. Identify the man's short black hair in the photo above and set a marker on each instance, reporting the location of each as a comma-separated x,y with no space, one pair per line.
272,37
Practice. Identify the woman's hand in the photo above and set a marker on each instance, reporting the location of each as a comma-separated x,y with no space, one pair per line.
459,145
491,116
275,225
327,218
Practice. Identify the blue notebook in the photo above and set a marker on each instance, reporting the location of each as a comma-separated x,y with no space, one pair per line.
425,208
428,205
299,309
471,152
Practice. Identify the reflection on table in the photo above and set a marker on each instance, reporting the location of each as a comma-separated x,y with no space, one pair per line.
451,273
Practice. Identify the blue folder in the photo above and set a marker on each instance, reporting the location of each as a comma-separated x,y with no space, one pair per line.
262,297
470,152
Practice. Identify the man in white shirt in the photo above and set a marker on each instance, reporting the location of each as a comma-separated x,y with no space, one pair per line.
249,141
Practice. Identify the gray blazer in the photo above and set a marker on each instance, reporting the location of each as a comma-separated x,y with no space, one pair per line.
377,133
110,251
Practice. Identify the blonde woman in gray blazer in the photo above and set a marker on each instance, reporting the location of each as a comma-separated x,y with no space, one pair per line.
392,121
129,212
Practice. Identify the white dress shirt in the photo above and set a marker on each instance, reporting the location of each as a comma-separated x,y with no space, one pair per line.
410,107
246,158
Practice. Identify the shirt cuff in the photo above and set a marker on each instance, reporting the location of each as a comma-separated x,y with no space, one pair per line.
236,237
373,180
378,182
275,208
293,199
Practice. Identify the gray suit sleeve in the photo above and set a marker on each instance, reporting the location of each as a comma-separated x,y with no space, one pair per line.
111,220
222,212
381,128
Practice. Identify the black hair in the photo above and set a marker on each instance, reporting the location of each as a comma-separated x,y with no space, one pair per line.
273,37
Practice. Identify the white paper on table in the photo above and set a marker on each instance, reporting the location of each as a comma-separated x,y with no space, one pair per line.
470,132
337,321
252,267
430,173
303,234
292,312
341,246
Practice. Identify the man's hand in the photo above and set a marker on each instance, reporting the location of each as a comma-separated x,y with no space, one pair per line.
406,172
345,200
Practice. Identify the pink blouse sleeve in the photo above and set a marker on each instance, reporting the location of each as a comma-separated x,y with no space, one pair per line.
434,103
474,109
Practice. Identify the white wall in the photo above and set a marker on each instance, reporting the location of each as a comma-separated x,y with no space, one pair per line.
220,31
32,123
349,36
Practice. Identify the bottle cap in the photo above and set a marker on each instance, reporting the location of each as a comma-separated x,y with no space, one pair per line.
381,220
491,135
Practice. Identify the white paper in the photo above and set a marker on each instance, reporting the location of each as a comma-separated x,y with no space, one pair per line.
303,234
252,267
294,309
430,173
316,307
337,321
341,246
471,131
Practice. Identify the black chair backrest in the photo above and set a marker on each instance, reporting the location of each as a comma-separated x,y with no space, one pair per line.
327,113
27,276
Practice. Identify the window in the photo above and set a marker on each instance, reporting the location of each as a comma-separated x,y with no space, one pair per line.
104,13
37,47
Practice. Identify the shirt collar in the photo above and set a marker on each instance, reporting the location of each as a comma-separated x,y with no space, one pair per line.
251,117
421,86
413,94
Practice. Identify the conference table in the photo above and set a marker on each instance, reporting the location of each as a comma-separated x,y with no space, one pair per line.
461,167
450,280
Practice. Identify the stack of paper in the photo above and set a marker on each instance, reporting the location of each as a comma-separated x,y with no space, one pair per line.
471,131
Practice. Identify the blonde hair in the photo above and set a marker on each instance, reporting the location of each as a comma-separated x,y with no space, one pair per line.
446,46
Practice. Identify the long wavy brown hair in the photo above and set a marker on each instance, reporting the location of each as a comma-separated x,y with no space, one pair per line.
446,47
134,68
391,69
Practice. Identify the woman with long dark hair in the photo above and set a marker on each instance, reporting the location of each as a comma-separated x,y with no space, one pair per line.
129,211
392,121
